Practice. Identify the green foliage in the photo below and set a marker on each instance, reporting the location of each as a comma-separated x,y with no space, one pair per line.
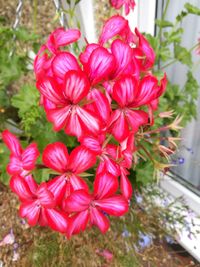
4,158
170,50
192,9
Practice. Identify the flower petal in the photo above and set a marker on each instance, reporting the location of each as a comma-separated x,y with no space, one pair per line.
100,65
58,186
147,91
123,57
59,117
78,223
45,196
55,156
49,88
78,183
147,50
125,186
62,37
79,200
111,28
64,62
76,86
15,166
81,159
125,90
31,183
89,120
29,157
116,205
105,185
84,57
136,118
57,220
100,220
20,187
31,211
12,143
119,126
99,105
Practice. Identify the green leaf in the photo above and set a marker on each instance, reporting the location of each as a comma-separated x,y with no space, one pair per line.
183,55
27,97
163,23
192,9
22,34
181,16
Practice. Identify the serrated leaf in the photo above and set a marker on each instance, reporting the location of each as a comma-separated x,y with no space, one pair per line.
27,97
182,54
192,9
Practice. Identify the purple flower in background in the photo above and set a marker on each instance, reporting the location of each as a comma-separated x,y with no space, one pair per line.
138,198
126,233
144,240
181,160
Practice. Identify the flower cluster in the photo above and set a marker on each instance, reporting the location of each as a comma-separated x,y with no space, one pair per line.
128,5
103,97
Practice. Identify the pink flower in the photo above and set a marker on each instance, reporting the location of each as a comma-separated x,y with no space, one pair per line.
66,111
22,161
116,26
98,63
90,207
129,4
40,206
56,157
144,53
61,37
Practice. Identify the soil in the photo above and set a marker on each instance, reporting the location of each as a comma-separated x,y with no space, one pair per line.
27,242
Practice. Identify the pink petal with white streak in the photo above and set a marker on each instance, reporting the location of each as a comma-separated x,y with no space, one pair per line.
100,220
64,62
100,65
112,27
55,156
57,220
79,200
29,156
59,117
125,91
31,211
19,186
125,186
81,159
76,86
84,57
105,185
123,56
116,205
78,223
12,143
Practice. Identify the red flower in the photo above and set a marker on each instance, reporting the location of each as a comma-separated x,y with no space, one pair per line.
90,207
56,157
129,4
66,111
39,206
22,161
